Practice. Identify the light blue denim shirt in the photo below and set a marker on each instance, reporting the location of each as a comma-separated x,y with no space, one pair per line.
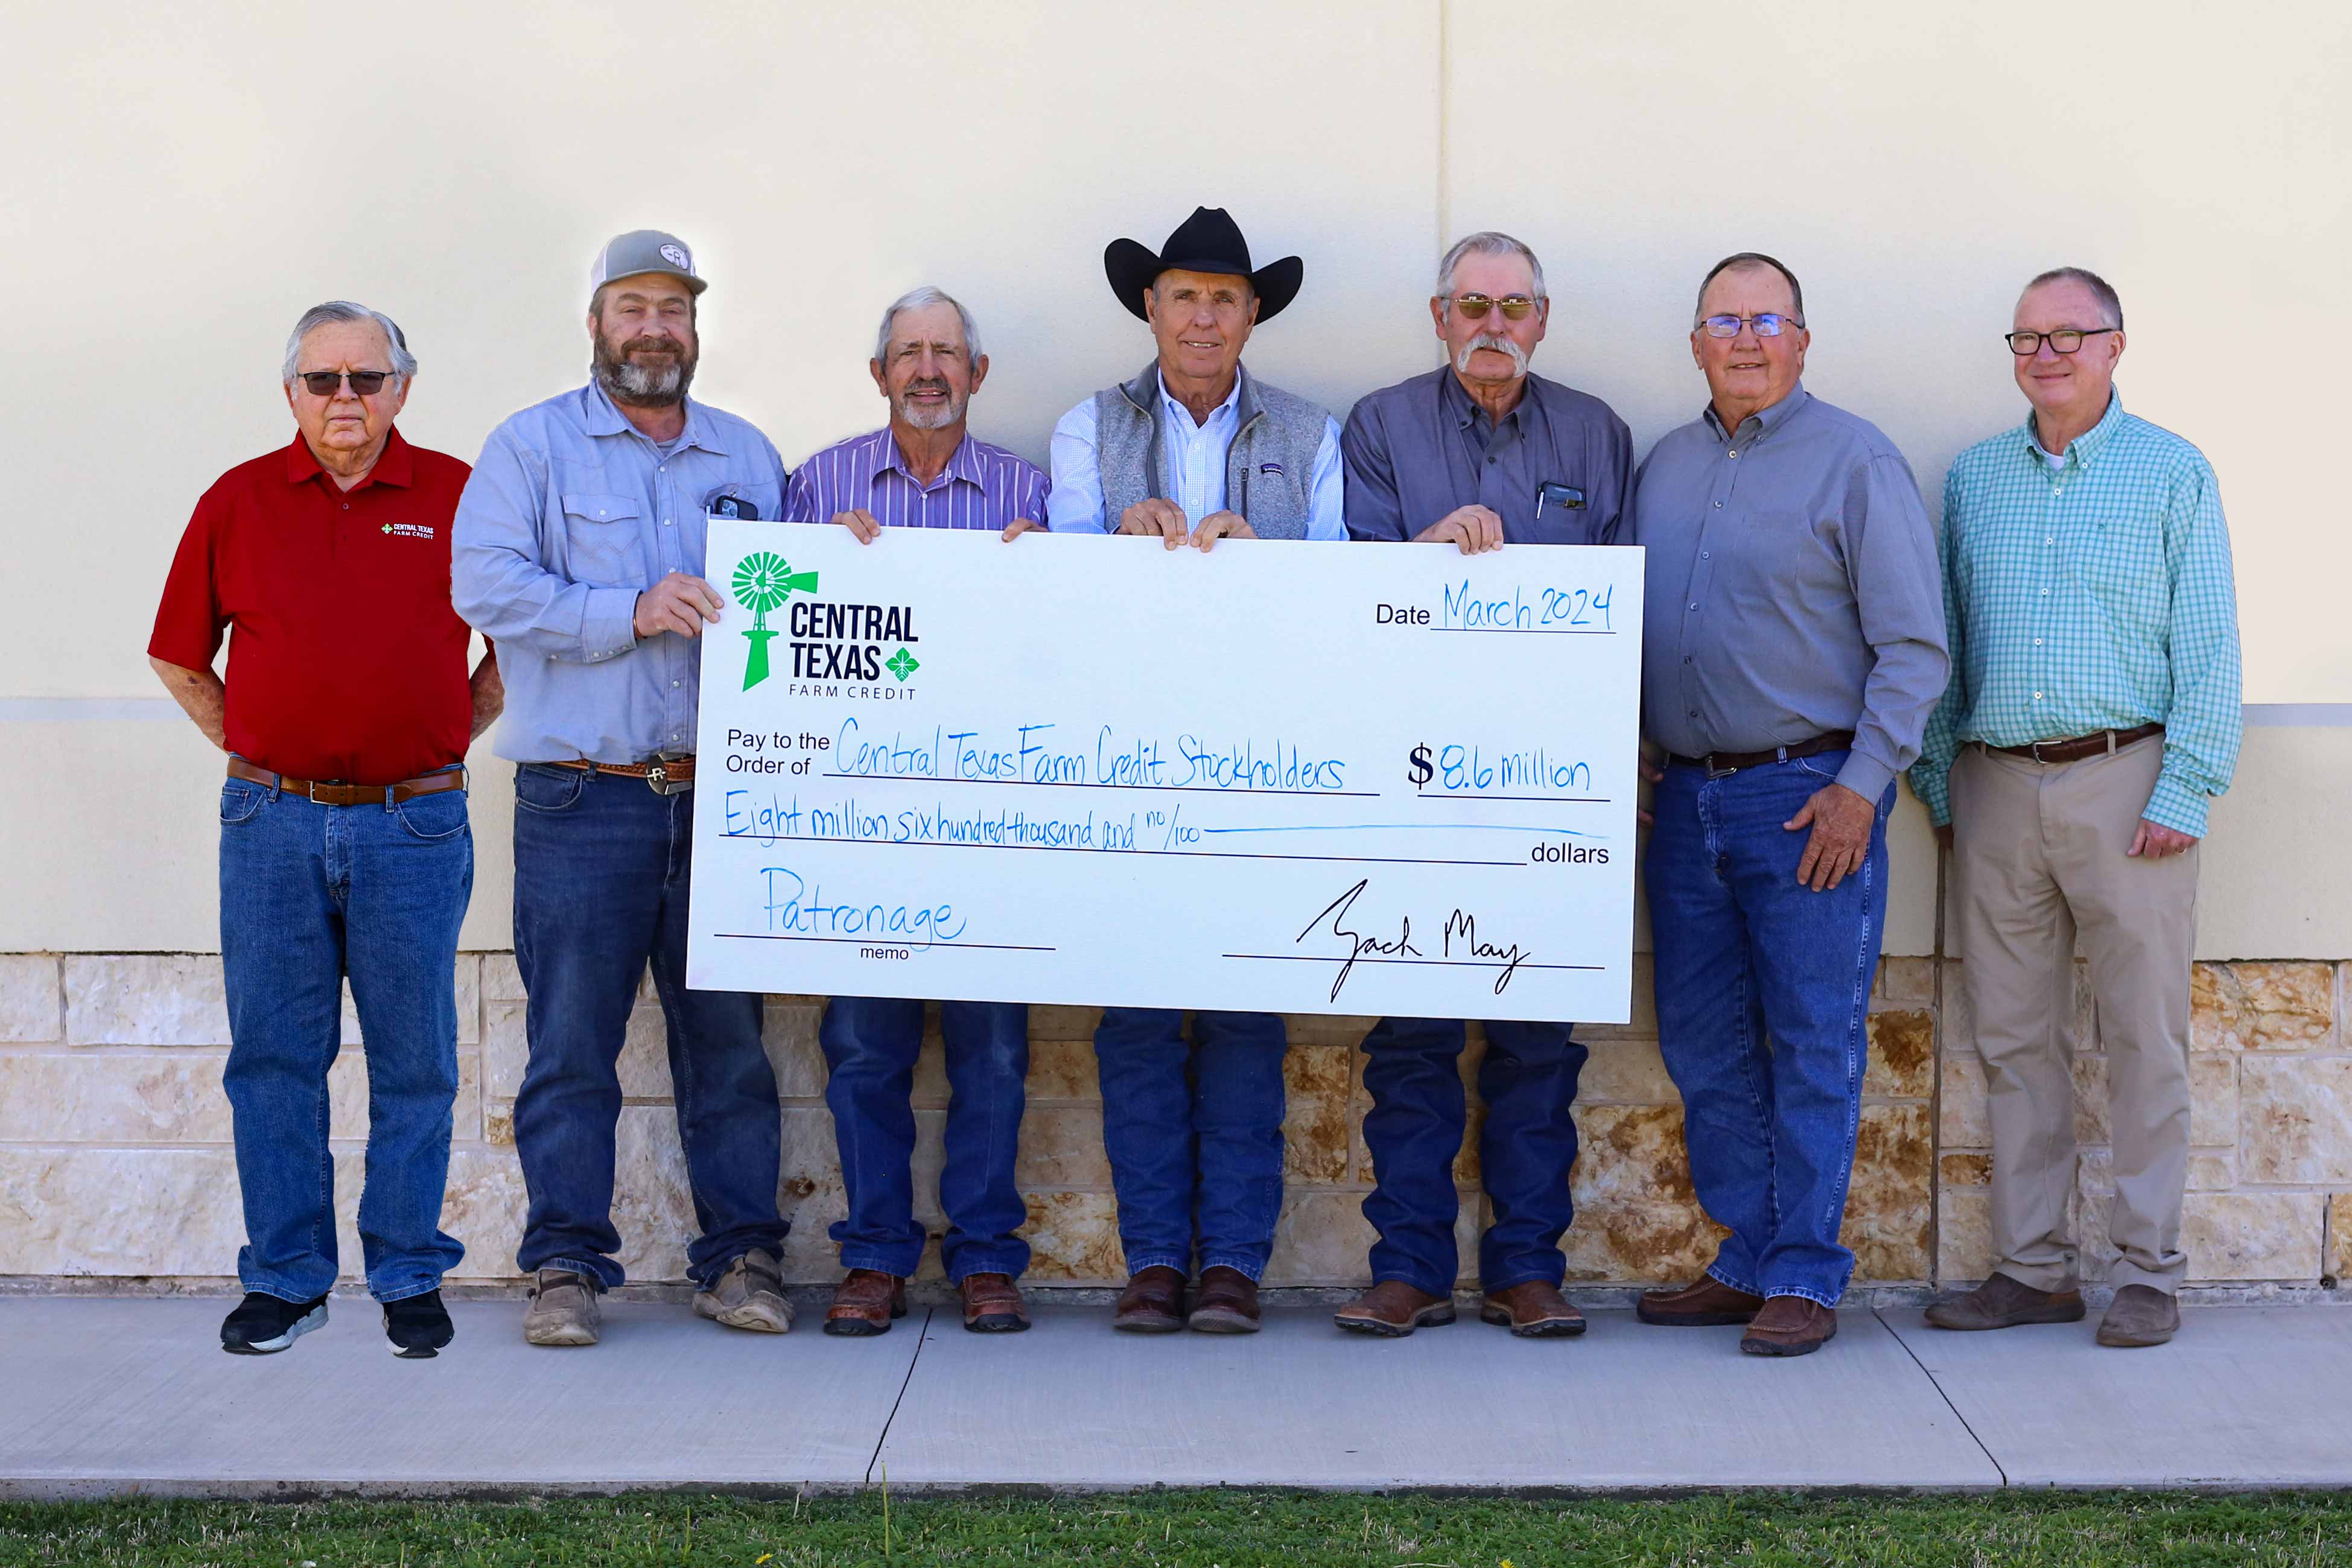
572,512
1194,457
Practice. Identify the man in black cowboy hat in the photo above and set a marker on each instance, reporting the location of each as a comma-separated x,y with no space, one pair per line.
1194,449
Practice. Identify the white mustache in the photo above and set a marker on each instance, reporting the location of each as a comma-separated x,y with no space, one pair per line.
1500,344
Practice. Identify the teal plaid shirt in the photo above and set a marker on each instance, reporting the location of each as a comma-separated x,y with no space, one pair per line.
2097,595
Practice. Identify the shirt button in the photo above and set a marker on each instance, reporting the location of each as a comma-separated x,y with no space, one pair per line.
1704,556
2037,642
2051,539
675,684
1735,452
665,522
1718,506
1693,714
1694,607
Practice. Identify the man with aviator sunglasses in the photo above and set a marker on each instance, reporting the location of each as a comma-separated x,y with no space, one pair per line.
1477,454
344,844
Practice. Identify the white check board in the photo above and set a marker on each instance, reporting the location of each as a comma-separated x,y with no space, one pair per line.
1282,776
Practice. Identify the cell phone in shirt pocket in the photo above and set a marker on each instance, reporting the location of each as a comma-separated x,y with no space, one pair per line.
1552,493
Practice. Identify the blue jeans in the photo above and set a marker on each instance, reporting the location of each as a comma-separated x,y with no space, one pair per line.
310,894
1527,1080
1194,1134
603,869
1763,986
870,1046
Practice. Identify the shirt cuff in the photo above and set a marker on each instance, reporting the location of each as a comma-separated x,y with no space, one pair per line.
609,628
2176,805
1934,786
1865,776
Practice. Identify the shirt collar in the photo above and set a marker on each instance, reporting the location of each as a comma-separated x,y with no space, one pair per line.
1771,419
600,415
1175,405
1468,410
393,466
2085,448
963,463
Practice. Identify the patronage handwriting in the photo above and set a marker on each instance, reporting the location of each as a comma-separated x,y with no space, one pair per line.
1459,926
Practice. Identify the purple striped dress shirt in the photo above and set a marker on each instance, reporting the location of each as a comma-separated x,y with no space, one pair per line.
982,487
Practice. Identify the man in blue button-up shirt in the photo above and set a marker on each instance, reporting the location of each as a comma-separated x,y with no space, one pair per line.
578,547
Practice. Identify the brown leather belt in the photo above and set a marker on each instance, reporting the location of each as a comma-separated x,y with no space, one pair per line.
336,792
662,775
2101,744
1719,763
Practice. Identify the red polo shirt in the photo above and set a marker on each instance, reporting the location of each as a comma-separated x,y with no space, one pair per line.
348,662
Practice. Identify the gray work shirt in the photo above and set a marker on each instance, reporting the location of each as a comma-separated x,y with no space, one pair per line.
572,512
1793,589
1421,448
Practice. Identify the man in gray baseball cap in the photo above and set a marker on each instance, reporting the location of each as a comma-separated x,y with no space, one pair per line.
578,548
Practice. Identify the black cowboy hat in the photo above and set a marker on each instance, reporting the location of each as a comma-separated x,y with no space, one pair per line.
1208,241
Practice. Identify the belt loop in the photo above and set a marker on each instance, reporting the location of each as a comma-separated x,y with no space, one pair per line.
1782,754
387,796
2111,743
276,787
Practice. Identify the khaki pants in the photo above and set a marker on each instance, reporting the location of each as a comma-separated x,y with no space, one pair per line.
2038,859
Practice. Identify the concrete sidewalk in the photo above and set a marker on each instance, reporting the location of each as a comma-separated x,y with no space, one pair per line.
113,1396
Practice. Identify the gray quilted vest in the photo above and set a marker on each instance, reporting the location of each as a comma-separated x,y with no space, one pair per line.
1269,468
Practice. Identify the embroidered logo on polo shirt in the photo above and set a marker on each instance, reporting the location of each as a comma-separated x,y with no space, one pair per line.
409,531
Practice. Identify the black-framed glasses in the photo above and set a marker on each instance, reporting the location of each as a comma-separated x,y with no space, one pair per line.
326,383
1514,307
2064,340
1768,324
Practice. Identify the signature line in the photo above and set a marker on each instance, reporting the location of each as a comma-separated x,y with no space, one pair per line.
879,942
1439,963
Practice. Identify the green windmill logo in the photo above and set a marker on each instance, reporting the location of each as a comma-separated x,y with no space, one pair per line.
763,581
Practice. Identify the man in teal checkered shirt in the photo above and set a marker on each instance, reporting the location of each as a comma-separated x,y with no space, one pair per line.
2093,711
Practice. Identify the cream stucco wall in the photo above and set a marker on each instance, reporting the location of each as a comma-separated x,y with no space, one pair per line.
185,180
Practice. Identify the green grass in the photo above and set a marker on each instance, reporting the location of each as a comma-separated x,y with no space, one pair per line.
1205,1530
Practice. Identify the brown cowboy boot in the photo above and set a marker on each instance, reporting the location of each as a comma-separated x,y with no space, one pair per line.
1535,1310
1153,1302
1393,1309
991,1304
865,1302
1227,1303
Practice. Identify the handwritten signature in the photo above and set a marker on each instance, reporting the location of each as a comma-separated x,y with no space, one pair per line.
1459,931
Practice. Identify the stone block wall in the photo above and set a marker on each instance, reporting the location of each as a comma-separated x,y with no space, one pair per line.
115,1159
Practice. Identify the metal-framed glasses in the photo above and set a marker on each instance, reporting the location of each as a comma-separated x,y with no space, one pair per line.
2064,340
326,383
1768,324
1514,307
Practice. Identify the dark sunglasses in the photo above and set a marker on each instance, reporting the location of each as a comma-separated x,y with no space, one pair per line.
1514,307
364,383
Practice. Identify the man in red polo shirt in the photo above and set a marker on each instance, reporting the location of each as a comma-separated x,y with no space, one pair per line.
344,846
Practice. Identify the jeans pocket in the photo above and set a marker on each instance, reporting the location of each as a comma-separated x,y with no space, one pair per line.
433,817
240,802
542,788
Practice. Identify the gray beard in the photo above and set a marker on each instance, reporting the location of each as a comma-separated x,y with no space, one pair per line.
939,418
642,386
1497,342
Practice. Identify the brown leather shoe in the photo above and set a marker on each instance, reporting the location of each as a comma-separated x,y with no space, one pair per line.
991,1304
1227,1303
1709,1303
865,1302
1153,1302
2139,1316
1790,1326
1393,1309
1535,1310
2002,1303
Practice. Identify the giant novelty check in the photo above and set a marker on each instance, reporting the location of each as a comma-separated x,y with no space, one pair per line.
1277,777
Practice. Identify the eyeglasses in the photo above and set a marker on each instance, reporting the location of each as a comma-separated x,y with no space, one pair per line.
1768,324
2065,340
1474,306
326,383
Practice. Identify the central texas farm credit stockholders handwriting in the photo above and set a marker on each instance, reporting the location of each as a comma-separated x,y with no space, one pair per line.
1278,777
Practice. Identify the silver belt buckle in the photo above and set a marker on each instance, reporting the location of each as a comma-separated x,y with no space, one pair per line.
658,780
1712,771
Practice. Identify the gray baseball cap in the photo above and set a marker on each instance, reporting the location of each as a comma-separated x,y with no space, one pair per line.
644,250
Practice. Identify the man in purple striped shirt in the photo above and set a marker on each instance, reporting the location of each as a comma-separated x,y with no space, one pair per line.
923,471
